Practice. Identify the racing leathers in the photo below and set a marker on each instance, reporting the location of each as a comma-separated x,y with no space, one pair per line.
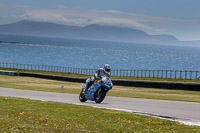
97,75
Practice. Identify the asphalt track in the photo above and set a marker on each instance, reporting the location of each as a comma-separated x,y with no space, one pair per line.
186,112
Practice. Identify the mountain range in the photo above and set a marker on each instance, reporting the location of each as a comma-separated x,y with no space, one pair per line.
90,32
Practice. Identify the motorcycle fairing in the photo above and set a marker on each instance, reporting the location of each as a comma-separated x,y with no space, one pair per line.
92,89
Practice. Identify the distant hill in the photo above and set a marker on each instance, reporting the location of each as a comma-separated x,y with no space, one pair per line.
90,32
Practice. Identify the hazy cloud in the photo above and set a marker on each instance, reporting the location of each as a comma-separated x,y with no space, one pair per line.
63,15
85,17
61,6
1,5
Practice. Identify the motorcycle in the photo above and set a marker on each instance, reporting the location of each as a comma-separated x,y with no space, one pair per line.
97,91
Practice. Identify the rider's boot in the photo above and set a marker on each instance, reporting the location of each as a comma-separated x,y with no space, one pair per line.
85,90
87,86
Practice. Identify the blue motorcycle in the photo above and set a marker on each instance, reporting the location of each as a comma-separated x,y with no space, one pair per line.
97,91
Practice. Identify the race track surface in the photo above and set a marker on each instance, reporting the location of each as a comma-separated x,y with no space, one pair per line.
186,112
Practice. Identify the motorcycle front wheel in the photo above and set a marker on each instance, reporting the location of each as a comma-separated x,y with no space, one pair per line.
100,95
82,97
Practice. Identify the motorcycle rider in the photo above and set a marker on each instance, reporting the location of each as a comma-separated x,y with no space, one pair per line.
105,71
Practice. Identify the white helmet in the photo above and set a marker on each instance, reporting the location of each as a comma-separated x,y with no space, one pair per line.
106,68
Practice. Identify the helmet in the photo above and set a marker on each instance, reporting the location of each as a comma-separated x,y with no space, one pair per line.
106,68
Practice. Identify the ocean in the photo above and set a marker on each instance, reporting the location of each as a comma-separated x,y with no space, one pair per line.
94,54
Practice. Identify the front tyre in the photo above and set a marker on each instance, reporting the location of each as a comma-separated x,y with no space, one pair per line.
82,97
100,95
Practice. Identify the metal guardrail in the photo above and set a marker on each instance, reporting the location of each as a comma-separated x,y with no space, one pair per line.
165,74
192,86
11,73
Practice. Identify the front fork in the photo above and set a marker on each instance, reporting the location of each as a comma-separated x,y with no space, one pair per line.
82,86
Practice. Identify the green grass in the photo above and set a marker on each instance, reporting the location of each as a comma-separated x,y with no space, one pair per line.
22,115
38,84
112,77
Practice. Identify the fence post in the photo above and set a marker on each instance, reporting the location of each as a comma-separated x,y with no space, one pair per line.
196,75
180,74
175,74
161,74
185,74
153,73
149,73
158,73
118,72
64,69
131,73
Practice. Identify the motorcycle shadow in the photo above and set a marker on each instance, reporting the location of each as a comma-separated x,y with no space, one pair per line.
93,103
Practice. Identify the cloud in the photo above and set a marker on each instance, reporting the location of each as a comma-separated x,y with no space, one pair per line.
61,6
85,17
1,5
80,17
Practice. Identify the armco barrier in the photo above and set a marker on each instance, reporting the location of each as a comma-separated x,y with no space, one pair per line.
11,73
159,84
135,83
53,77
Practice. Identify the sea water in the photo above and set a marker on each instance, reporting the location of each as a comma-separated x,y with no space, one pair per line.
94,54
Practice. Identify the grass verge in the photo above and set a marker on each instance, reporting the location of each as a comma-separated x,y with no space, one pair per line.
112,77
29,83
22,115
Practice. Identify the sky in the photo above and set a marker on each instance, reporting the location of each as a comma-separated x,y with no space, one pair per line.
180,18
